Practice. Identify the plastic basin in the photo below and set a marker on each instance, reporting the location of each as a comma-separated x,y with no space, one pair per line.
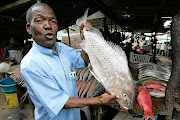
8,85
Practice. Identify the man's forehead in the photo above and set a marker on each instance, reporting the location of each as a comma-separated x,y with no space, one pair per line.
43,10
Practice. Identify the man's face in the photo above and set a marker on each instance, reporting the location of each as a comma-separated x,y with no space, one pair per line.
43,26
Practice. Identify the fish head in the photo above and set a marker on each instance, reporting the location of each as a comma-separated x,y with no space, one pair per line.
126,91
141,88
126,100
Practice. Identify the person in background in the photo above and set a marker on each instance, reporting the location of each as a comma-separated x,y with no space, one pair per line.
13,52
129,48
169,50
135,47
157,48
48,67
3,44
8,48
166,50
163,47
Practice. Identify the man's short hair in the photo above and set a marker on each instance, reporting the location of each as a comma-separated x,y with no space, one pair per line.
29,11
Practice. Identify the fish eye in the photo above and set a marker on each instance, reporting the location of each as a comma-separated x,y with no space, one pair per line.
125,95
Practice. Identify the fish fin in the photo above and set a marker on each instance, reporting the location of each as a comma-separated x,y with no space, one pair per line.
140,105
100,67
118,49
148,114
82,19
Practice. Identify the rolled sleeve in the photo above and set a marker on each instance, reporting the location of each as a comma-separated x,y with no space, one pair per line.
76,59
47,92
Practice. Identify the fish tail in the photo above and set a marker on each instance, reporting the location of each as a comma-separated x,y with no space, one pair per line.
149,114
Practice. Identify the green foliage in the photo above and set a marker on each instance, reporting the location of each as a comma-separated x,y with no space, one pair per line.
64,30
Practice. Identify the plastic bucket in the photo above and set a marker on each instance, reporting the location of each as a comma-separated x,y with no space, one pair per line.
9,89
8,85
11,99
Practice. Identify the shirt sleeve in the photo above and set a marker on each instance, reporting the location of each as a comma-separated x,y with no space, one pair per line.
44,91
75,58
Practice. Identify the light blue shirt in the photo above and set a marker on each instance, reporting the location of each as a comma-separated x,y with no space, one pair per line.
46,74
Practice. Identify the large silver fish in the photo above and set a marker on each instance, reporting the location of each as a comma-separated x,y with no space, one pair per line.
110,66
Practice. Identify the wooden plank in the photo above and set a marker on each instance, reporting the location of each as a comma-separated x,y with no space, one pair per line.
19,2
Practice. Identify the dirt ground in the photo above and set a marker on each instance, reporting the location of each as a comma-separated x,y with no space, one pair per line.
165,60
26,113
15,113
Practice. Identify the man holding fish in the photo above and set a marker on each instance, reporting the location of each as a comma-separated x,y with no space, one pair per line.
47,70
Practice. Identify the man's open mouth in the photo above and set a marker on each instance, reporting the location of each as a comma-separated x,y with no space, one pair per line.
49,36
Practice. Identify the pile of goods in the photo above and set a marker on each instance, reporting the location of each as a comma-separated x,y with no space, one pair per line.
87,85
155,78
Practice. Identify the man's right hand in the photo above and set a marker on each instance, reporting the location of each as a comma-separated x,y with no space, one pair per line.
104,99
107,99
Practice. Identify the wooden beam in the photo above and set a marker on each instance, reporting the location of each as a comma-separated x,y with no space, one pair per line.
19,2
107,12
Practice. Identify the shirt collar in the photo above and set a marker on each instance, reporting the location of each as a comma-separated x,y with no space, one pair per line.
47,51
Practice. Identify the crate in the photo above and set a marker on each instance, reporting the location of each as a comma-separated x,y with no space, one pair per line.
138,58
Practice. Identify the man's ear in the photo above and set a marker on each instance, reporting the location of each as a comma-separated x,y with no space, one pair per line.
28,28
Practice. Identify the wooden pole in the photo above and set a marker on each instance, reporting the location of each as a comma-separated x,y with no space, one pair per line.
69,37
154,47
174,81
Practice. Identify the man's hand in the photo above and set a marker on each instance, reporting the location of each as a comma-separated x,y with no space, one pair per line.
107,99
104,99
87,26
11,58
7,60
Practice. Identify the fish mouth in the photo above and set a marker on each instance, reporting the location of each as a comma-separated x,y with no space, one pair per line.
128,107
49,35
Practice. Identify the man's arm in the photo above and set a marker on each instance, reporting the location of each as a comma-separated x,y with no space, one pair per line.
100,100
85,57
9,59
